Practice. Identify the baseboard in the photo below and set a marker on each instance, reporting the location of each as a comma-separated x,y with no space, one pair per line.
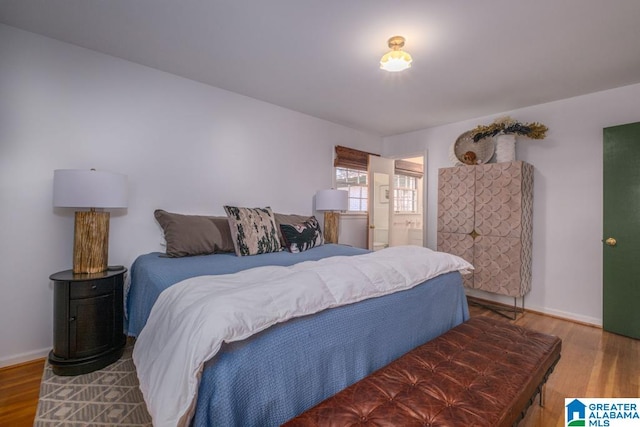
586,320
24,357
508,302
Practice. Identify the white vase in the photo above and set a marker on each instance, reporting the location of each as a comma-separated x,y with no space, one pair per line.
505,148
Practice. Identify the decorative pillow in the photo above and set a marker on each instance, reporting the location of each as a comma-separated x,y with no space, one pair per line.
253,230
302,236
188,235
288,219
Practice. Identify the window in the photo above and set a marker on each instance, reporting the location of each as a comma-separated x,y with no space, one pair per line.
351,175
405,194
355,182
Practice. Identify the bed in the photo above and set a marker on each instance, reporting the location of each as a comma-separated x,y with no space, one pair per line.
286,369
154,272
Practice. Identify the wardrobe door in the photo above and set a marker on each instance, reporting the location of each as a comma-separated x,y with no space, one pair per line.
498,208
503,221
456,195
461,245
498,265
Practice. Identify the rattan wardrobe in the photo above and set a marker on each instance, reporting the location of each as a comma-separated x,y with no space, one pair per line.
485,216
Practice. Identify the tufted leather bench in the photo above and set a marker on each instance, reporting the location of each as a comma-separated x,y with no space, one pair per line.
484,372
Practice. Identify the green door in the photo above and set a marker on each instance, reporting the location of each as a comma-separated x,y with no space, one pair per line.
621,269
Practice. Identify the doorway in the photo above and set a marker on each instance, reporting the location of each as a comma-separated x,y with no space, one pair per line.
396,202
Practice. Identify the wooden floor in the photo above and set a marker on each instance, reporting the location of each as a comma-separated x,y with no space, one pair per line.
19,390
593,364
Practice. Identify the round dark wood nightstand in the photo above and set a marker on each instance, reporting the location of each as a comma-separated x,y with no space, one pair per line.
88,317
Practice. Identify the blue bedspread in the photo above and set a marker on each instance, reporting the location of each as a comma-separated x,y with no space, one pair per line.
288,368
153,273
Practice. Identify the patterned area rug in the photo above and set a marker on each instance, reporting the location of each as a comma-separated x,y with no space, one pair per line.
106,397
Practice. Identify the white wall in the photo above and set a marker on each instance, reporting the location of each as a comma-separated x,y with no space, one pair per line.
567,248
353,230
191,148
185,147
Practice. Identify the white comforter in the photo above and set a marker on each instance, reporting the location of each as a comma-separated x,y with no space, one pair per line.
190,320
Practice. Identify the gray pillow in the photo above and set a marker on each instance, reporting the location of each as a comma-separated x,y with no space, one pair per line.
288,219
188,235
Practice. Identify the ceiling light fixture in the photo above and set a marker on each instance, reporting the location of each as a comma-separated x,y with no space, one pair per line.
397,59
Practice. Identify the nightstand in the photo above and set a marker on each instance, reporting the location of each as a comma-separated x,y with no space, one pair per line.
87,321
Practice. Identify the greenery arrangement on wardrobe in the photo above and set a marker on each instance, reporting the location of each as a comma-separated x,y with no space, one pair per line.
506,126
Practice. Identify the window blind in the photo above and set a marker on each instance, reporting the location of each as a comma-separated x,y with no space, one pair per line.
404,167
356,159
351,158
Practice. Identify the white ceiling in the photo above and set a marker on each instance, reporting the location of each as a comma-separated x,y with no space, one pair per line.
471,58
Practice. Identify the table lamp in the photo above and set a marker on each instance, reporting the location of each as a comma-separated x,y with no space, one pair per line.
331,202
89,189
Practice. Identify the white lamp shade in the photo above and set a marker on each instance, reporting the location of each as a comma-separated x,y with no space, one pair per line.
396,60
332,200
83,188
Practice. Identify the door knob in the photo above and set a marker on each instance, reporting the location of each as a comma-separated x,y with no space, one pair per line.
372,226
611,241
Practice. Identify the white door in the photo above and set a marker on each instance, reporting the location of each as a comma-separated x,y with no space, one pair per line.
380,209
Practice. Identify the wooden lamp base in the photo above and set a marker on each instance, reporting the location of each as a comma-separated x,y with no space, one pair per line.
331,221
91,242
